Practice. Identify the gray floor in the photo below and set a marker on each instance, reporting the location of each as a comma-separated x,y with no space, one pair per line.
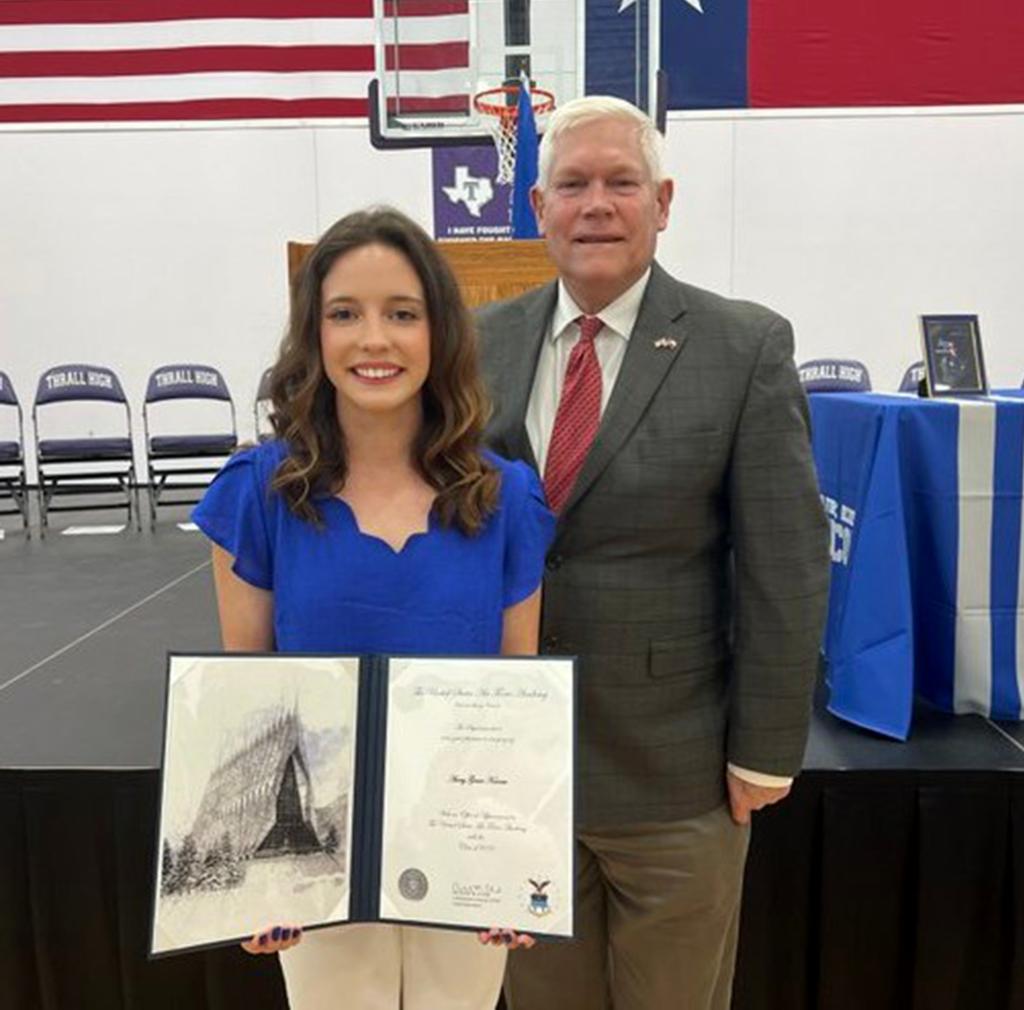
86,623
86,626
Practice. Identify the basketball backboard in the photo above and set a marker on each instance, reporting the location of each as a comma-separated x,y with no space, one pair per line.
435,57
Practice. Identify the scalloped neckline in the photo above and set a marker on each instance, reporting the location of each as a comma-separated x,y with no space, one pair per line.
396,551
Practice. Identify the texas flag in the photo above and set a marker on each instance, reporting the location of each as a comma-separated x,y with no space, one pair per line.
722,54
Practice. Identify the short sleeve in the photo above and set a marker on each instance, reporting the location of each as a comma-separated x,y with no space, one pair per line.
233,514
529,530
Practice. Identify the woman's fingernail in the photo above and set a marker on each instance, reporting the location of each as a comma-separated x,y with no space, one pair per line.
276,933
286,934
262,940
297,932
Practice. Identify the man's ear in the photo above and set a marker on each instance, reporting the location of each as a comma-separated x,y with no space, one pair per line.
664,192
537,203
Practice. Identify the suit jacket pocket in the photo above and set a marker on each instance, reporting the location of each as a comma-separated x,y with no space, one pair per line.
687,656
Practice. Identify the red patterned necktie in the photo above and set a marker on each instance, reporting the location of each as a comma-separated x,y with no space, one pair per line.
577,418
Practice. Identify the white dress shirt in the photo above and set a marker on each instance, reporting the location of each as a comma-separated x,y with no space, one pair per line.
618,319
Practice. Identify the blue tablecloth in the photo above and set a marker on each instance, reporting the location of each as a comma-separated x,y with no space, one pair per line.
924,501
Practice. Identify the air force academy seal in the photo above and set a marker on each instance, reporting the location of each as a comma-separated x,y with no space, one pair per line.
412,885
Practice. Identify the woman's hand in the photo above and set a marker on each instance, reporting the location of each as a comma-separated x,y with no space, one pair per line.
272,939
509,937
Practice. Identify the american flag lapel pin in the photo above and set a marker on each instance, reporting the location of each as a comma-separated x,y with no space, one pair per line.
666,343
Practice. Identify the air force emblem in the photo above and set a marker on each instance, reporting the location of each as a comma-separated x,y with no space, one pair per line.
538,899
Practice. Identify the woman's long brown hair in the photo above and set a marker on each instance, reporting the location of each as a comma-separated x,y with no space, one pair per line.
455,406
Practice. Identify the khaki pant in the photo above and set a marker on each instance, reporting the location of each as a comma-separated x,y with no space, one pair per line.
387,967
657,917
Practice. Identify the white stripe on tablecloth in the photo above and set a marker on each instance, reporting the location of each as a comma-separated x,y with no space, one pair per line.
1019,623
972,684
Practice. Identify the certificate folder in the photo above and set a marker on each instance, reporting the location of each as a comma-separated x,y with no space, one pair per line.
319,790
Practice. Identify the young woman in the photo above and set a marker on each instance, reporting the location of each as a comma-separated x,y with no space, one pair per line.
374,522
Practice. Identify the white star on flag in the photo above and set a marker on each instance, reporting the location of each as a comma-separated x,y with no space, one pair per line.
695,4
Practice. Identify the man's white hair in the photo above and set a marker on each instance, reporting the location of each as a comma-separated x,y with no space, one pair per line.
589,109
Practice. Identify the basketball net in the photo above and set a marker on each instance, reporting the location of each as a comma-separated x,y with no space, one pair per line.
499,117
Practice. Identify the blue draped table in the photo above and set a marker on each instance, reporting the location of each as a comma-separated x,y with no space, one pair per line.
924,502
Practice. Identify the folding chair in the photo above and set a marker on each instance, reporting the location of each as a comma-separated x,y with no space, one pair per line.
261,408
13,484
834,375
912,377
86,466
181,464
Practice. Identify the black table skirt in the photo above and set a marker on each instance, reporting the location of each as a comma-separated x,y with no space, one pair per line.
878,890
865,891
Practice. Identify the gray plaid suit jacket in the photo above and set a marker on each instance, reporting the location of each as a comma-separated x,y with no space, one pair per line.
689,570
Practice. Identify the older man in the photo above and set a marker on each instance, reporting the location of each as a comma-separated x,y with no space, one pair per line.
688,573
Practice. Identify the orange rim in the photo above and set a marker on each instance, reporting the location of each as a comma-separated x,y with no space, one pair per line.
486,102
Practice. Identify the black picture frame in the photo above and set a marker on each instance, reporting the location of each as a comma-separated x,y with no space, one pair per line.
954,364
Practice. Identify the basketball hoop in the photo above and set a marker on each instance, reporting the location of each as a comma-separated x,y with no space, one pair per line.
500,119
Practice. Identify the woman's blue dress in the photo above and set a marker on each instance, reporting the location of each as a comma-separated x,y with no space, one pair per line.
339,590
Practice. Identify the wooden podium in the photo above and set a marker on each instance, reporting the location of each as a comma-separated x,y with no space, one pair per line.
486,271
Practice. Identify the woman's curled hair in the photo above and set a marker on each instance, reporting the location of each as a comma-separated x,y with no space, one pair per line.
455,406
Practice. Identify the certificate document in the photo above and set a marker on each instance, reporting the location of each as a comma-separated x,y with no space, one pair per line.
319,790
478,826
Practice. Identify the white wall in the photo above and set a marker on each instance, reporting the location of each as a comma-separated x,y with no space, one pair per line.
854,225
135,248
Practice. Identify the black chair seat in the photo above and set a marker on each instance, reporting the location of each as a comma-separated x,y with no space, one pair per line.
192,445
52,449
10,451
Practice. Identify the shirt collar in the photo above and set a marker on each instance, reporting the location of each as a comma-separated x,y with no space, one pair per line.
619,316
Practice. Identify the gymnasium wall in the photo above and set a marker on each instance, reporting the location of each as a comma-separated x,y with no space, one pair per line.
134,248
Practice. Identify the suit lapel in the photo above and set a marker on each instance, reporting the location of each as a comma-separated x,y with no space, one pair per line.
655,343
519,366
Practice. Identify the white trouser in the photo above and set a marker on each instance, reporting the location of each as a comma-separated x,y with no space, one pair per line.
387,967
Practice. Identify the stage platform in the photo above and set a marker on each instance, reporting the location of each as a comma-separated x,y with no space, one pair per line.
893,877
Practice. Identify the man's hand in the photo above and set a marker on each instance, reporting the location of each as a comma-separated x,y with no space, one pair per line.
745,797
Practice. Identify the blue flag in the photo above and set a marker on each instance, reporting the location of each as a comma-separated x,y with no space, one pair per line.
524,224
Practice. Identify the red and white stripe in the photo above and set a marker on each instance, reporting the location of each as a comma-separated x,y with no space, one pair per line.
145,60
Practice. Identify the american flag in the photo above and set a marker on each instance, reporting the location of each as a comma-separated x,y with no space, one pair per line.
159,60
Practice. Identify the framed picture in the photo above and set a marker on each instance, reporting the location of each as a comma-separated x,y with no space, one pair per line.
953,362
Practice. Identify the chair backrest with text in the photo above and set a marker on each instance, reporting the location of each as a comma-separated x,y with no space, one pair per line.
912,377
181,462
834,375
85,471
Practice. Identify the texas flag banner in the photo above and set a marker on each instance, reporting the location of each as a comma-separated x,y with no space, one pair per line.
144,60
723,54
924,503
